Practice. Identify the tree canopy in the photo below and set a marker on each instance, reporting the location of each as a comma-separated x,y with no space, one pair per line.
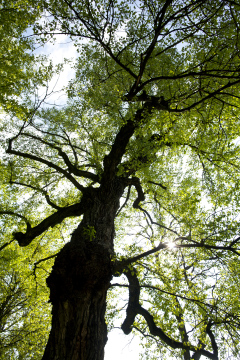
144,156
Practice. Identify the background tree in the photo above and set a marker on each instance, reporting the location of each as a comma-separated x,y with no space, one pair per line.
146,154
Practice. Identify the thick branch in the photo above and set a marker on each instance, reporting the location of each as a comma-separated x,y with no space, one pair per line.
157,331
124,263
197,354
50,221
134,308
133,302
141,196
212,338
113,159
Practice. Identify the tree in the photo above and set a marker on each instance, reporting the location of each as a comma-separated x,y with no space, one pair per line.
146,154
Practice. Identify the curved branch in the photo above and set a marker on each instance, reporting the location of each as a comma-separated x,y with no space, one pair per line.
154,222
72,168
9,212
210,96
46,162
141,196
212,338
26,238
157,331
126,200
44,192
134,308
133,302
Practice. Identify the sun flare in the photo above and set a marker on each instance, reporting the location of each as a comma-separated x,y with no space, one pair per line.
171,245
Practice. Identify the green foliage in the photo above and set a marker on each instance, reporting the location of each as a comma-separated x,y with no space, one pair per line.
24,308
15,51
176,63
89,232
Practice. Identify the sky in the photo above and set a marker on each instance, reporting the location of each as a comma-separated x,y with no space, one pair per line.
57,52
121,347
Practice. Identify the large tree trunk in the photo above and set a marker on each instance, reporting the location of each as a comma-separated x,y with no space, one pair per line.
79,282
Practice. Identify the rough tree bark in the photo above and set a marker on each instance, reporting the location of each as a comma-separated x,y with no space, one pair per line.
80,279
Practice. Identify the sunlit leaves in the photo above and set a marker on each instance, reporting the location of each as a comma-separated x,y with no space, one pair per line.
177,64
